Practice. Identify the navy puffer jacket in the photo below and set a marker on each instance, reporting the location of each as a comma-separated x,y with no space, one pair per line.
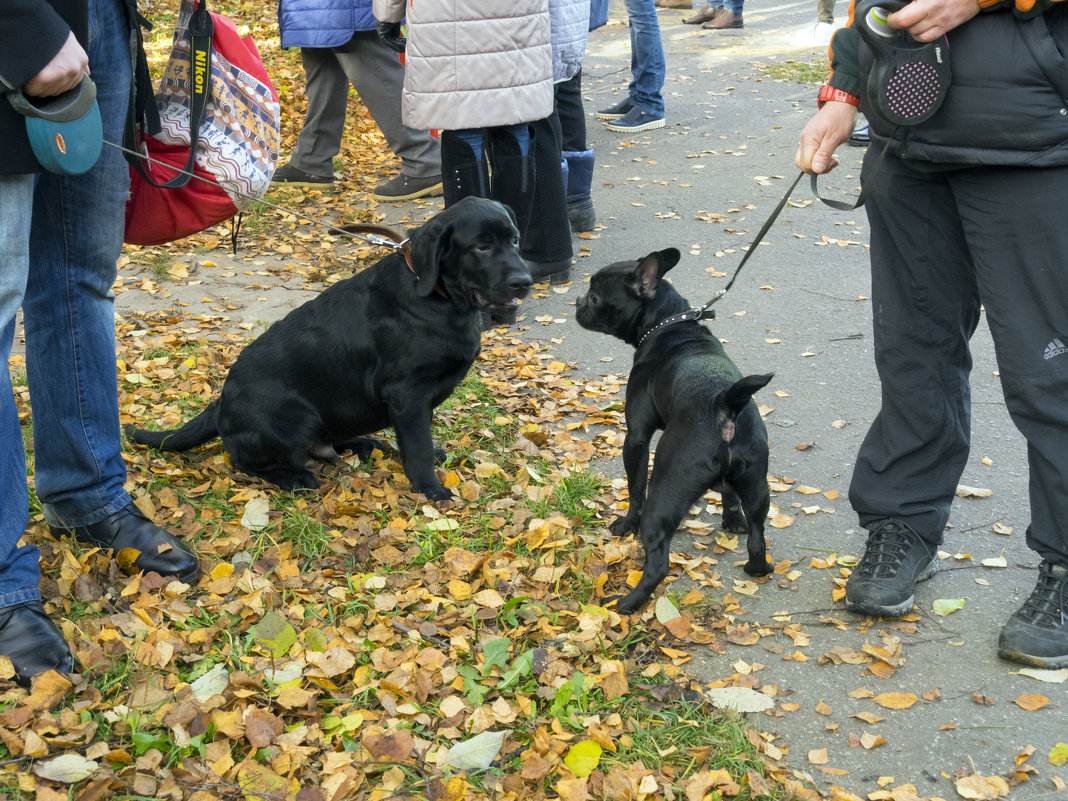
322,23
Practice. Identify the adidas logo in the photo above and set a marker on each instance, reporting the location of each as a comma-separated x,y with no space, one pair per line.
1054,348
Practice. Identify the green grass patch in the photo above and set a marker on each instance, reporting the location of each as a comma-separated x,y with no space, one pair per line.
814,71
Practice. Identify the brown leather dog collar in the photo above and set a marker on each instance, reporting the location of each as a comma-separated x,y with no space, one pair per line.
401,242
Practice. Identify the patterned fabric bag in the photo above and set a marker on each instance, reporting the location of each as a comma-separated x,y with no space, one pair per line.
224,130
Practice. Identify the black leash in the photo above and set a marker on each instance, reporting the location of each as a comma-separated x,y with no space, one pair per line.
706,312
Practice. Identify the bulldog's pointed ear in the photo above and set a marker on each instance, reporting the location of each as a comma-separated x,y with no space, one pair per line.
430,244
651,269
669,257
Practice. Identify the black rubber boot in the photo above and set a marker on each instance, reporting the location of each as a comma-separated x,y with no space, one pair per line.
463,174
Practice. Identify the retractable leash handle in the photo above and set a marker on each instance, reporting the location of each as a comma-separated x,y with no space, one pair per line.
908,79
65,131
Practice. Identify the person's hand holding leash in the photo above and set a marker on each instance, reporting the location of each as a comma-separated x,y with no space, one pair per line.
831,126
926,20
63,72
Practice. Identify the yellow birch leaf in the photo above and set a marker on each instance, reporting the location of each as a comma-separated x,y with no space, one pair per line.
1058,755
895,700
582,758
1031,702
946,606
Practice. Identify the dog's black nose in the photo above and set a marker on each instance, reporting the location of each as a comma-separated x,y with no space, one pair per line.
519,284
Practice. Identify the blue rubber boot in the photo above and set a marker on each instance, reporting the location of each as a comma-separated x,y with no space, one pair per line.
579,180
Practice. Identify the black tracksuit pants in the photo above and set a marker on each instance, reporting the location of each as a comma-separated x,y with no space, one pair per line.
944,243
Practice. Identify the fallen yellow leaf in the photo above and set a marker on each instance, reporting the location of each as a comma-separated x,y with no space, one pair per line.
1031,702
895,700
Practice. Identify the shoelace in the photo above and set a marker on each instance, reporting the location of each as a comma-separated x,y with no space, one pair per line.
1046,606
885,550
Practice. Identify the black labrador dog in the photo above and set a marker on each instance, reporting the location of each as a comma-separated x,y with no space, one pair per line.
683,384
380,349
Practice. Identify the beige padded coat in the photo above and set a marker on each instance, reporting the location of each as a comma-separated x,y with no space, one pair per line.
473,63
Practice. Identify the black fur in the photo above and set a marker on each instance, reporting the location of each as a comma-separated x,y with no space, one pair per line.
683,384
380,349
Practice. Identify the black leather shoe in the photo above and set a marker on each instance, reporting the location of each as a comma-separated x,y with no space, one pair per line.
158,550
32,642
555,272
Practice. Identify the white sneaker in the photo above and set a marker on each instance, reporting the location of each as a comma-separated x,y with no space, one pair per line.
818,34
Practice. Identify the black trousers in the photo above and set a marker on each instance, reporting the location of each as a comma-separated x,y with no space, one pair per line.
942,245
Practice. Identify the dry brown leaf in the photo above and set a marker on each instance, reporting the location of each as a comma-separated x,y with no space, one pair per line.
870,741
818,756
982,788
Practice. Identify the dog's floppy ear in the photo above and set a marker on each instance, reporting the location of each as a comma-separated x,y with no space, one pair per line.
652,268
429,244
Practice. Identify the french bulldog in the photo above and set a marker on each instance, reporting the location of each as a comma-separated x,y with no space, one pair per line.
681,383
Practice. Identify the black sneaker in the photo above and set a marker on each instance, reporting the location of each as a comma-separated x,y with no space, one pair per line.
861,136
620,109
290,176
1037,632
884,580
404,187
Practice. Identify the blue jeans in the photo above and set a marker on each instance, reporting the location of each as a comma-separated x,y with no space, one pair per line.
647,64
475,137
733,6
59,261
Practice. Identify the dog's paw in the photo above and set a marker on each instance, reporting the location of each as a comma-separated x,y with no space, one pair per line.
624,525
733,521
438,493
618,603
632,602
758,568
362,447
440,456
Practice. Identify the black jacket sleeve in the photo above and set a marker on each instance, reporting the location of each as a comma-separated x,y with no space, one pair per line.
31,33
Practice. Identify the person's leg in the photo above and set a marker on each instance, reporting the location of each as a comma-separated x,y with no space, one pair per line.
577,156
1019,255
19,571
572,114
706,13
327,90
547,242
647,63
825,11
509,151
463,165
926,307
377,74
729,16
75,241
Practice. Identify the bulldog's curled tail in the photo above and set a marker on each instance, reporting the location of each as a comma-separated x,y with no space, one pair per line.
202,428
730,402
